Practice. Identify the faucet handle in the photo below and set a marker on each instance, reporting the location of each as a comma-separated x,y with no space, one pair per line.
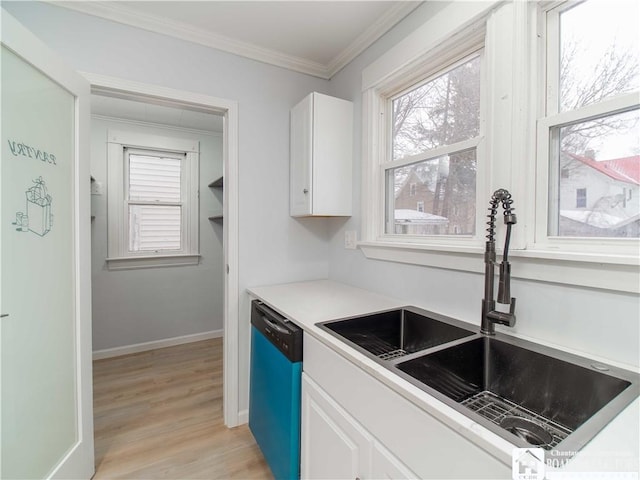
504,284
504,318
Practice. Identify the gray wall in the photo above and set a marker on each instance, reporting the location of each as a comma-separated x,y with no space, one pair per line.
275,248
144,305
596,322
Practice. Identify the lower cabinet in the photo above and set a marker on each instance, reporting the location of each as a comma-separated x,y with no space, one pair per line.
384,465
354,426
336,446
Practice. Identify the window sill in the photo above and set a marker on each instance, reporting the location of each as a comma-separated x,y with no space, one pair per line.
594,271
127,263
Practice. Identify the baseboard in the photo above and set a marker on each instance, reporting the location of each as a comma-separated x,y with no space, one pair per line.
243,417
167,342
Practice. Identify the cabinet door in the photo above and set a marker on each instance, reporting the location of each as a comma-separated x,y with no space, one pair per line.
301,158
334,446
332,148
385,465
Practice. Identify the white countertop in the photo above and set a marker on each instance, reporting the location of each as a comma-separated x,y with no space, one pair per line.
615,449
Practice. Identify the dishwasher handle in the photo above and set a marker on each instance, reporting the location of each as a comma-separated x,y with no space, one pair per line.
285,335
275,326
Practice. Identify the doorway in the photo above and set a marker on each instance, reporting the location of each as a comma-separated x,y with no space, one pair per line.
223,114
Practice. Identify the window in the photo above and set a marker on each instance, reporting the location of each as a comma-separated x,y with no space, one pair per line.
581,198
420,207
153,201
516,95
590,134
434,133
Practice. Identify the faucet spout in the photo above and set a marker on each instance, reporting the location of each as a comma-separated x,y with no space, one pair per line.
491,316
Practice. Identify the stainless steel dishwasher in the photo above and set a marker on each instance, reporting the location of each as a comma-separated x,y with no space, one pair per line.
274,395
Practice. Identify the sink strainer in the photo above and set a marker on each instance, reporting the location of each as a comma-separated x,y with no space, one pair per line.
533,428
527,430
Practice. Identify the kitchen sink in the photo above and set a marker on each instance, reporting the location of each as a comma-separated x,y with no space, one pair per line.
529,394
396,333
537,394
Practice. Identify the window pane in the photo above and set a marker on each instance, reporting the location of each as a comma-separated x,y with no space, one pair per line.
596,171
154,227
154,178
443,200
599,52
443,111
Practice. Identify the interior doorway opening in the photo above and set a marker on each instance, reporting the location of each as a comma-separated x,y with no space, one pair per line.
149,106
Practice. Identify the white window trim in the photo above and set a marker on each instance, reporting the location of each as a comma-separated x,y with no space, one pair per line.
512,46
549,117
118,255
455,57
376,150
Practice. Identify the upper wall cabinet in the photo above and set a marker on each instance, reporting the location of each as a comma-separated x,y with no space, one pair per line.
321,156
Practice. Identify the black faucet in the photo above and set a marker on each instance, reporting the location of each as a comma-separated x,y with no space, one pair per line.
490,316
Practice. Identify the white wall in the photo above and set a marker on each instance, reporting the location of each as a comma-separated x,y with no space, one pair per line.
274,247
150,304
596,322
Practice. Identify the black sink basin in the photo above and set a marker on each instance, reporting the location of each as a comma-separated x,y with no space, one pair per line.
539,395
525,392
395,333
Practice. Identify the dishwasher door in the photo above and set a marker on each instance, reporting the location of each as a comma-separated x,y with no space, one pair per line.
274,395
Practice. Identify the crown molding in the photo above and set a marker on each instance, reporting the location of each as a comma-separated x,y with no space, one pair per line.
370,35
118,13
121,14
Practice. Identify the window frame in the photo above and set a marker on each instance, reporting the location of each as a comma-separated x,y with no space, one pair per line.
118,254
514,48
127,202
550,117
380,101
427,74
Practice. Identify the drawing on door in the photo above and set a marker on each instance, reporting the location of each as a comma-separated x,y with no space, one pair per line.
37,217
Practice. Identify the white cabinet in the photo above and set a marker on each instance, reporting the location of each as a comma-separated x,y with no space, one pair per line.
385,465
348,405
334,446
321,156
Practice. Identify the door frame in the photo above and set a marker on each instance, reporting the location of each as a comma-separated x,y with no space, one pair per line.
148,93
79,459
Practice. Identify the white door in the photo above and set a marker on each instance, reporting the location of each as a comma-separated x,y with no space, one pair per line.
46,426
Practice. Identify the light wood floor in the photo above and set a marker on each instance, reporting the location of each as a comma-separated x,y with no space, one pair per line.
158,414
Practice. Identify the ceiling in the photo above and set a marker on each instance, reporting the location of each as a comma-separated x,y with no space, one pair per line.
313,37
126,109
